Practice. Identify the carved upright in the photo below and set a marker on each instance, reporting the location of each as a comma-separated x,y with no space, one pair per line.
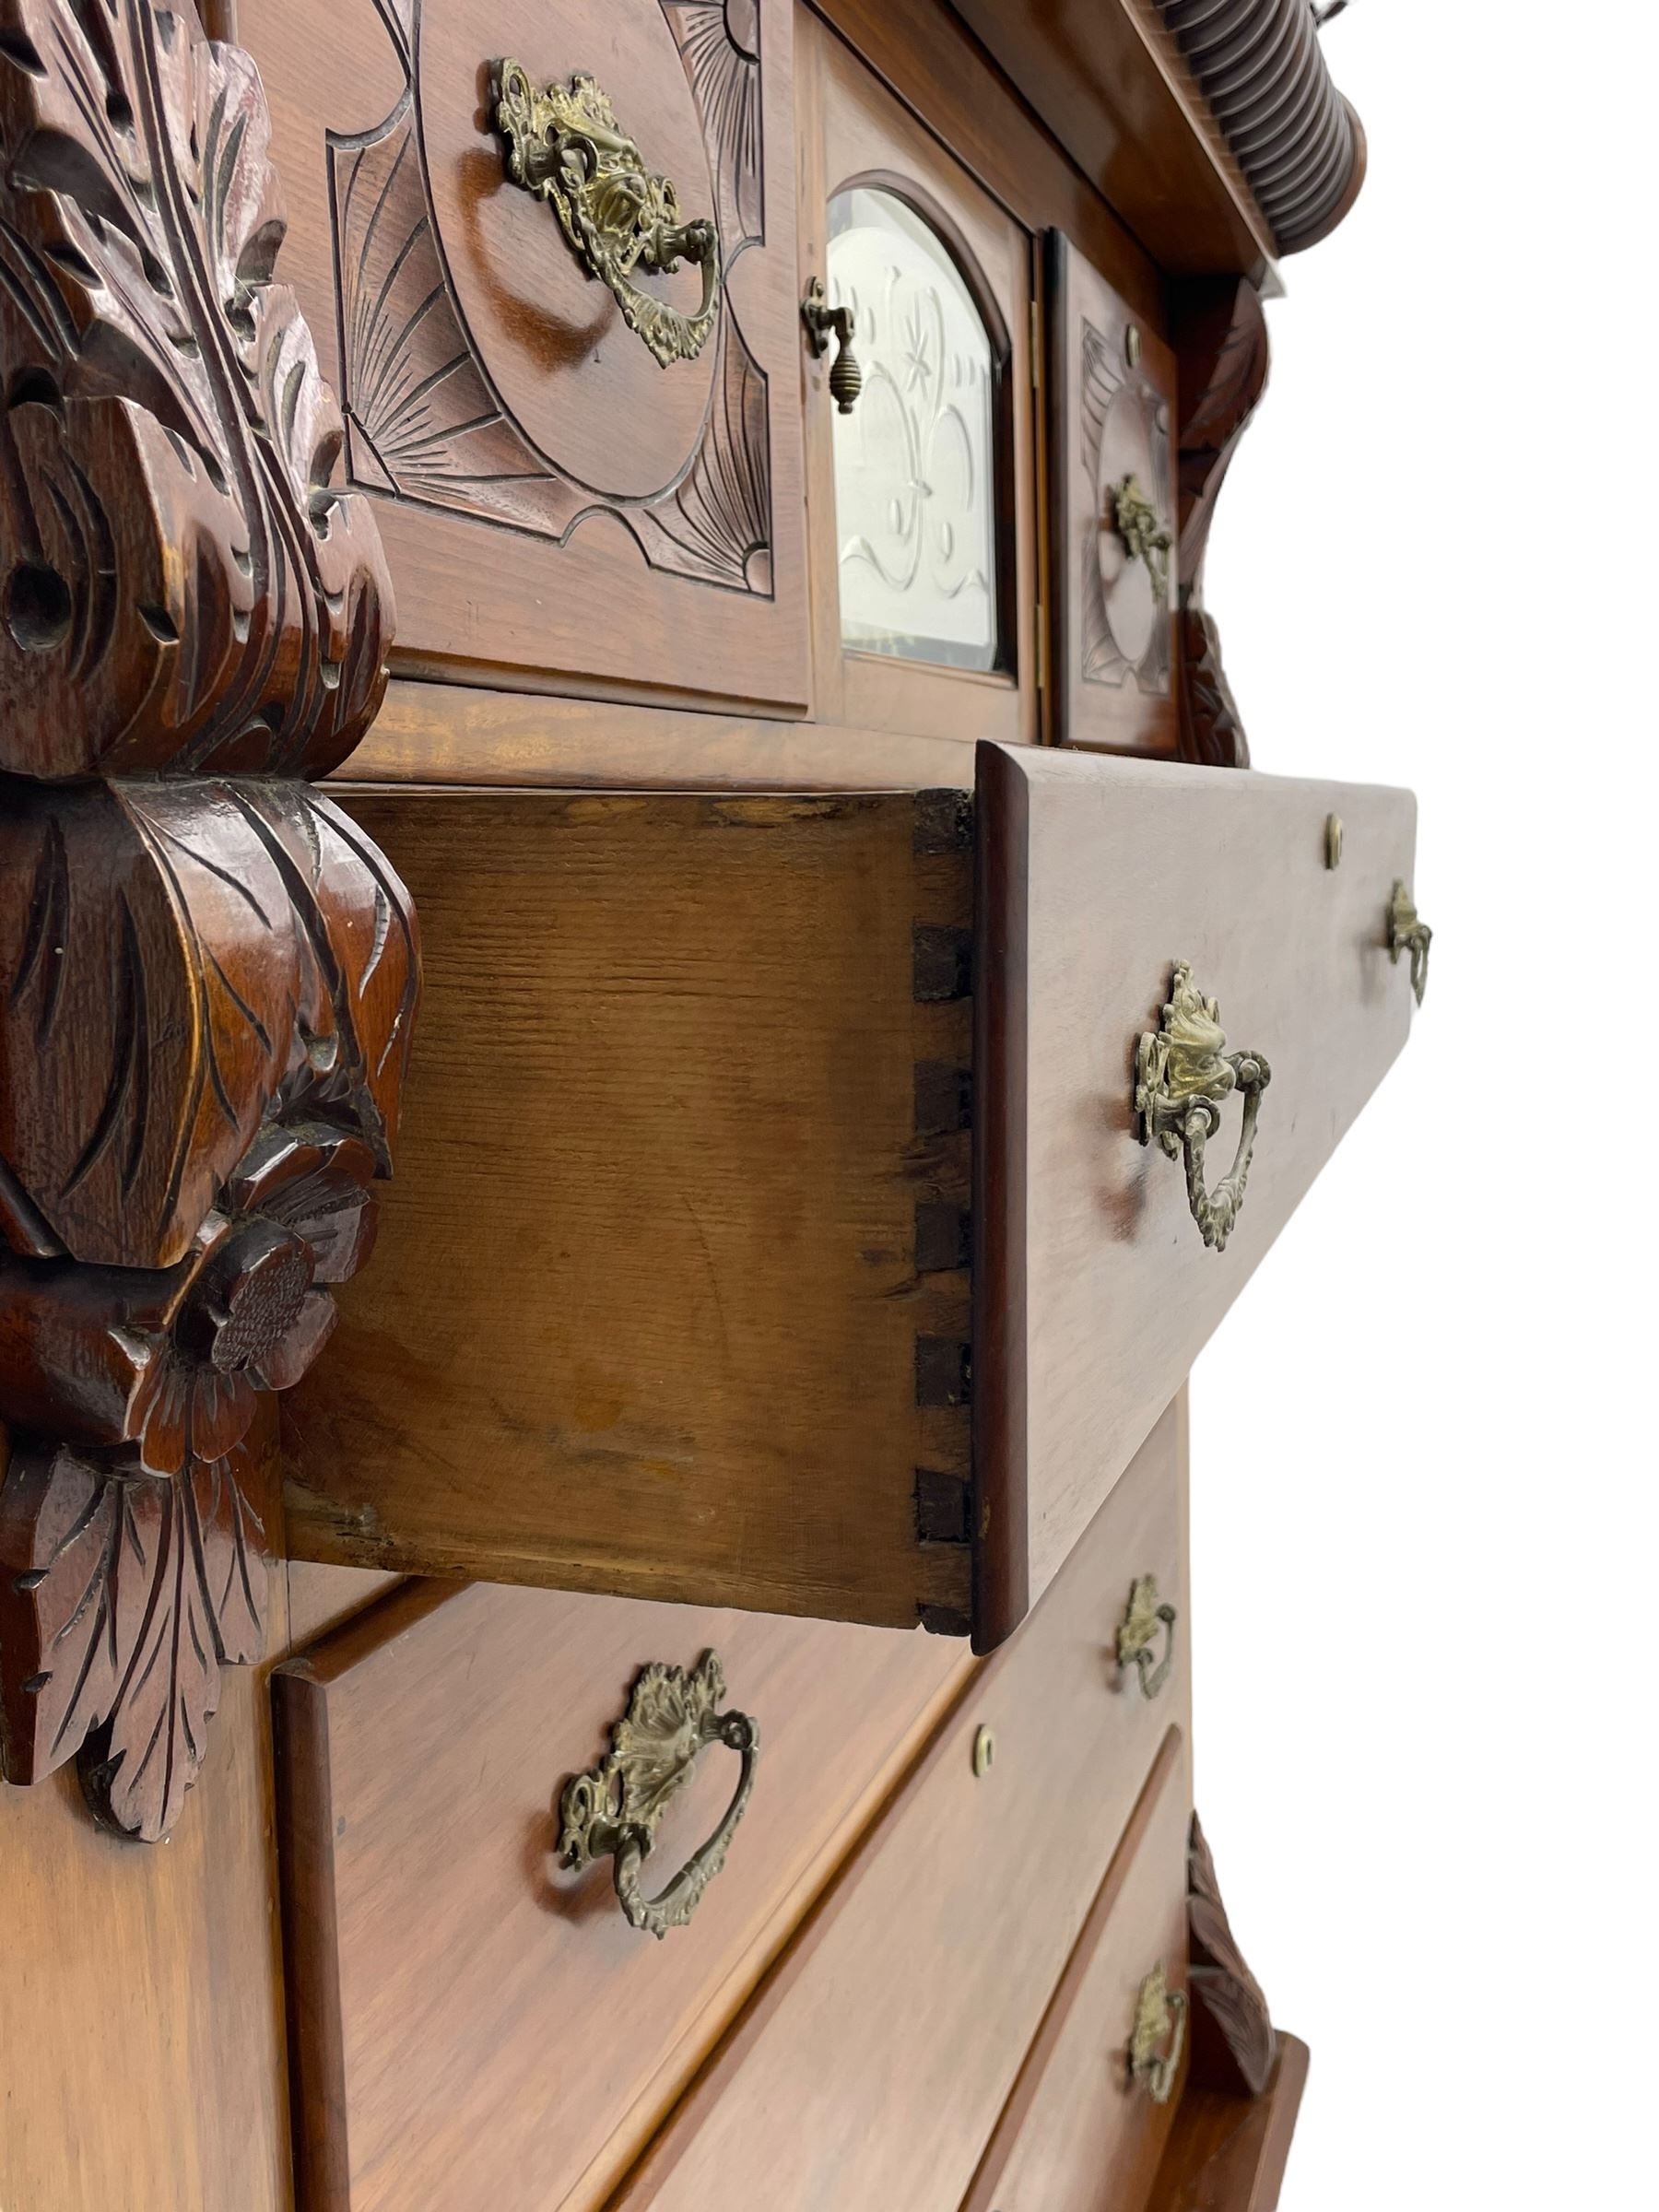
1221,341
207,973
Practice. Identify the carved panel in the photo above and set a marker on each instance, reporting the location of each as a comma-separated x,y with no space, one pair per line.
500,406
1114,564
207,980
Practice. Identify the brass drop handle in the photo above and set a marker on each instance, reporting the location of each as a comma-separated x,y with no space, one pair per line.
1160,2017
1408,933
564,145
1138,1633
824,321
1134,519
615,1808
1183,1072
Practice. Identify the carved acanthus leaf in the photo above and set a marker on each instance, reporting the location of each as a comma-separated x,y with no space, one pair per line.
121,1597
182,585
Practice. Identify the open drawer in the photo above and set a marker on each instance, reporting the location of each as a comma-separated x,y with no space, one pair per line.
773,1225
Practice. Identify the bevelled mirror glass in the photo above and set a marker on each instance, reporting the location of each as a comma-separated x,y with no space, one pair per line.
915,475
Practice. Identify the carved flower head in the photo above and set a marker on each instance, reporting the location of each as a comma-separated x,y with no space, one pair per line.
171,1360
253,1311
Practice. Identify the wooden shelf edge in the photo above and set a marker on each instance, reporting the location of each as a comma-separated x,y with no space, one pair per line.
1227,2153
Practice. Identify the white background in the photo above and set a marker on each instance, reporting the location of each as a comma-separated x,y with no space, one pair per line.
1426,1448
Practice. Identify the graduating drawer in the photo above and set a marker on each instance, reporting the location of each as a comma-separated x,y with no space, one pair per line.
1091,2110
582,434
476,2026
870,2070
775,1222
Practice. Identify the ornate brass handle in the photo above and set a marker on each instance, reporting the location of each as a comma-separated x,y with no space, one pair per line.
1408,933
616,1806
1183,1072
565,145
1134,519
1138,1633
823,323
1160,2017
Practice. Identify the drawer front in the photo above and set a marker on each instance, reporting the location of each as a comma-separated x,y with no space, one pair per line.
1087,2123
1095,1285
871,2068
579,476
475,2025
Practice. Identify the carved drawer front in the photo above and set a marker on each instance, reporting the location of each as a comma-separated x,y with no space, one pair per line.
724,1265
1113,558
1087,2121
886,2045
558,305
476,2026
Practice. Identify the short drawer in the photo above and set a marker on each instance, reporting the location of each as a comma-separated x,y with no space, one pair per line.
773,1224
1086,2125
475,2027
870,2070
587,469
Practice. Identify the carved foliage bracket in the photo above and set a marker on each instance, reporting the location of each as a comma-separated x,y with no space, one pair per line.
1221,342
1234,2044
207,974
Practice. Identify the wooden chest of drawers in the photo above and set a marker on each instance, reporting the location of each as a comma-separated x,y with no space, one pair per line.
721,487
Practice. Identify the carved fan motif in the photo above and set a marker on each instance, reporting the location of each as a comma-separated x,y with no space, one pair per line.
1125,433
207,980
429,423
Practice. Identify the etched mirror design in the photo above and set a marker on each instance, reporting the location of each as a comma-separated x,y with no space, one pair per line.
915,474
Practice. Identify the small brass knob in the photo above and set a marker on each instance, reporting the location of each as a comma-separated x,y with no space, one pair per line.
823,323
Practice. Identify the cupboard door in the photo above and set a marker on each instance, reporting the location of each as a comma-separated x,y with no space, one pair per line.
576,405
1111,387
920,488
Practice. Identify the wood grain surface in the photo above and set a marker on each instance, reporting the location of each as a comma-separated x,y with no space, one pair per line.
1095,1291
437,733
871,2068
1110,82
1080,2132
141,2010
1227,2153
478,2029
649,1307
